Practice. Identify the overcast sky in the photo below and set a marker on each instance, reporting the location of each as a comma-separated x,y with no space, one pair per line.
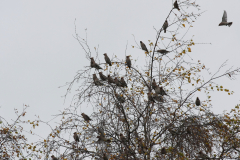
38,52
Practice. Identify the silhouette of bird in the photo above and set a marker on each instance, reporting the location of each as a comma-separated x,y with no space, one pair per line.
143,46
53,157
162,92
150,98
123,83
94,64
116,81
110,80
154,84
121,99
108,61
102,76
96,81
85,117
197,102
165,25
128,61
75,136
224,20
157,97
163,51
176,5
163,150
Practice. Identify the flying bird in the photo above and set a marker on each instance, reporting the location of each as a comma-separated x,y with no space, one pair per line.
163,51
75,136
176,5
123,83
110,80
128,61
53,157
197,102
224,20
165,25
94,64
85,117
102,76
108,61
96,81
143,46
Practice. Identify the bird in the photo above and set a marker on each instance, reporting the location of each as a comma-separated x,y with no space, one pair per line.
85,117
188,130
121,99
105,156
94,64
150,98
157,97
102,76
53,157
96,80
108,61
116,81
197,102
224,20
128,61
143,46
123,139
75,136
154,84
176,5
101,131
123,83
163,51
165,25
163,150
202,155
162,92
110,80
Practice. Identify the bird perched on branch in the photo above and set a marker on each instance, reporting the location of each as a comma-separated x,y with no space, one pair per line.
162,51
75,136
94,64
101,131
107,59
121,99
159,90
197,102
123,139
165,25
105,156
85,117
128,61
176,5
202,155
150,98
53,157
116,81
224,20
123,83
154,84
110,80
163,150
96,81
102,76
143,46
157,97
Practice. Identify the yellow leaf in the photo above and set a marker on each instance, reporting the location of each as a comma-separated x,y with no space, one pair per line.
183,51
189,50
132,46
183,25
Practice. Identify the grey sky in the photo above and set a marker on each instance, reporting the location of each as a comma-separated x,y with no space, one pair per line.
38,52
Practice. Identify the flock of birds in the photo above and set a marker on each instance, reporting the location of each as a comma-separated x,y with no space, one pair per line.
152,97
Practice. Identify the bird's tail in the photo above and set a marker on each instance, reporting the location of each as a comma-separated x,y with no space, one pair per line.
229,24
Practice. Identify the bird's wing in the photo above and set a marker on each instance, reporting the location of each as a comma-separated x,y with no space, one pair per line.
224,18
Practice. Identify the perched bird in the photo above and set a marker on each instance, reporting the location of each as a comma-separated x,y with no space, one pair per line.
123,139
150,98
188,130
102,138
162,92
108,61
143,46
121,99
163,51
154,84
96,80
85,117
123,83
102,76
224,20
75,136
94,64
105,156
110,80
176,5
197,102
116,81
163,150
54,158
202,155
165,25
128,61
157,97
101,131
